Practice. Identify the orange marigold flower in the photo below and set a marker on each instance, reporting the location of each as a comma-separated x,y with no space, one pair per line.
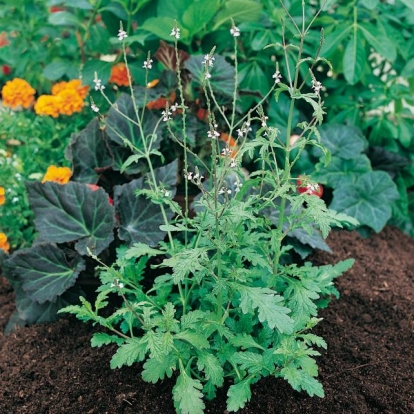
4,244
70,102
48,105
119,74
2,196
17,92
75,84
59,175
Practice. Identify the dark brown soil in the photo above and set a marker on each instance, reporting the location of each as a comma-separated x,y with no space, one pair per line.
368,367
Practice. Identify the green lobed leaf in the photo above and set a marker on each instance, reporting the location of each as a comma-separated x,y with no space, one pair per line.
267,303
155,370
45,271
380,42
98,339
133,350
72,213
249,361
238,394
212,368
188,399
198,15
89,153
55,70
239,10
196,339
369,199
245,341
100,67
301,380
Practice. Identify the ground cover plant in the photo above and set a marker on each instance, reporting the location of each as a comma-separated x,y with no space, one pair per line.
222,306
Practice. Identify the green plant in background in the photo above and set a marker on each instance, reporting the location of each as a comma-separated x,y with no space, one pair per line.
227,303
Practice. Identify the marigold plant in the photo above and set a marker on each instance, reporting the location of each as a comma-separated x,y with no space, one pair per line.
75,84
2,196
4,244
18,92
70,102
119,74
48,105
59,175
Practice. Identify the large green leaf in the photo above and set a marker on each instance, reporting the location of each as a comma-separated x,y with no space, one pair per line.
334,39
239,10
45,271
222,73
341,140
72,213
101,68
140,218
381,43
340,171
354,59
252,77
369,199
89,153
122,124
198,14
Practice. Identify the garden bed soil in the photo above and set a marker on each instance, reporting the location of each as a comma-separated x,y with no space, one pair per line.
367,368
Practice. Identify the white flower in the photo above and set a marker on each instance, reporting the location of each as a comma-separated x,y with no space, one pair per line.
98,85
189,176
166,115
233,163
264,119
213,133
235,31
122,35
316,86
226,151
147,64
94,107
175,32
277,77
208,75
166,193
208,60
221,191
174,107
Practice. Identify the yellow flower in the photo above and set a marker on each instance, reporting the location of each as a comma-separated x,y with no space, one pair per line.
59,175
2,196
75,84
119,74
4,244
70,101
48,105
17,92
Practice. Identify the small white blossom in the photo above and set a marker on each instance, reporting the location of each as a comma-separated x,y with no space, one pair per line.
208,60
166,193
233,163
277,77
166,115
264,119
147,64
226,151
116,283
222,190
316,86
229,191
208,75
98,85
94,107
15,200
175,32
122,35
189,176
174,107
235,31
237,186
213,133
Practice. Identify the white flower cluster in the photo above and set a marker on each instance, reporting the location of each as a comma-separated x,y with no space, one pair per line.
122,34
166,115
316,86
94,107
235,31
175,32
147,64
277,77
244,130
117,284
226,152
98,84
213,133
194,177
208,60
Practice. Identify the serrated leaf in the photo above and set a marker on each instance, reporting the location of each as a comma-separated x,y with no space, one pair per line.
45,271
238,394
72,213
245,341
141,249
196,339
312,339
100,339
159,344
89,154
249,361
369,199
301,380
212,368
155,370
188,399
133,350
267,303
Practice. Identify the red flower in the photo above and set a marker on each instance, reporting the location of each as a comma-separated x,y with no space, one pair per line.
6,69
55,9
